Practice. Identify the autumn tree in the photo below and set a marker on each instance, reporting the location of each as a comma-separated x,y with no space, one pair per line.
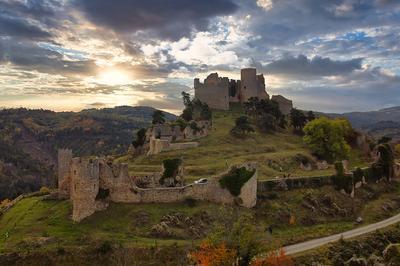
210,255
274,258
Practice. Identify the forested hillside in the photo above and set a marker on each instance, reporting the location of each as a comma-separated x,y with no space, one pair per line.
29,140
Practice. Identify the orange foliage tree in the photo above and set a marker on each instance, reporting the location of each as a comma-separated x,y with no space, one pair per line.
209,255
274,258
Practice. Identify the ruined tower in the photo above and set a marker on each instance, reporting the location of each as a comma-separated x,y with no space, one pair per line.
85,185
252,85
64,163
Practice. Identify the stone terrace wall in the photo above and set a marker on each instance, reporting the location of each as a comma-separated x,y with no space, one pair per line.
293,183
211,191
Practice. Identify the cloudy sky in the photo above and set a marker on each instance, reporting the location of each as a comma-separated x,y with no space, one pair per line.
331,55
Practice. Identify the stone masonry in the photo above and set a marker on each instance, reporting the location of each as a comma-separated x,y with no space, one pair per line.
94,182
219,92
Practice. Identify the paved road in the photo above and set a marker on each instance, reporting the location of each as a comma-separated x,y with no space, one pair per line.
300,247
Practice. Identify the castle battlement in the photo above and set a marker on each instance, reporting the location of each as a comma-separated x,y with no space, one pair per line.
218,92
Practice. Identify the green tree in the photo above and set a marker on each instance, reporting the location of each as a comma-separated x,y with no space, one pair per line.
386,160
267,123
297,118
158,117
327,138
140,138
310,116
187,102
397,149
242,126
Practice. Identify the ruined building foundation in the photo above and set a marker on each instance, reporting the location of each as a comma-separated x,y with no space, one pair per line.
91,183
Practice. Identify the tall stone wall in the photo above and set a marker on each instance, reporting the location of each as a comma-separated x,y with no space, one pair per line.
214,91
285,105
64,164
85,187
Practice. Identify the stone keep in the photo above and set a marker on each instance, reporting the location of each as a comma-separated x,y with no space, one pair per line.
252,85
219,92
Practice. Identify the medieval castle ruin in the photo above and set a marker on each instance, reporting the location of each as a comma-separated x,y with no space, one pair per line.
91,183
219,92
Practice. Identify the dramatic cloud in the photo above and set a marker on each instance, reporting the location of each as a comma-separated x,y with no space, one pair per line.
170,20
317,66
333,55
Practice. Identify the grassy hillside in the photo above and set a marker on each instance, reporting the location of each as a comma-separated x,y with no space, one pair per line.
277,153
40,225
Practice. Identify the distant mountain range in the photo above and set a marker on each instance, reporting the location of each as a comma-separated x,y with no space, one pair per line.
29,140
384,122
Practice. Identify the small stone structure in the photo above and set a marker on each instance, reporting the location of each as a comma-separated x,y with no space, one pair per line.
161,137
285,105
160,145
218,92
91,183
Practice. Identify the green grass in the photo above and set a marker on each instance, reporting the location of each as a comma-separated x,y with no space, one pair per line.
274,153
34,217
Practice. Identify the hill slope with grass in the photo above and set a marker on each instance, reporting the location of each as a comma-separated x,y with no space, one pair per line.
37,229
277,154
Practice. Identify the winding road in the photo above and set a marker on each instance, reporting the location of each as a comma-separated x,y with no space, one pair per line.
304,246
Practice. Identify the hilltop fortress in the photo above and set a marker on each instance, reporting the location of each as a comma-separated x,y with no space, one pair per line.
219,92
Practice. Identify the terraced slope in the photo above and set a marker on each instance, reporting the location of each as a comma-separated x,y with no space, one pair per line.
277,154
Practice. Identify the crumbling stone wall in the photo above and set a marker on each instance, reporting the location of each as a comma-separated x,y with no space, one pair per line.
252,85
96,182
64,162
85,187
285,105
218,92
159,145
214,91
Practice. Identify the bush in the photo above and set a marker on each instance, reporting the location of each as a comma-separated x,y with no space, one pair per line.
341,180
327,138
190,202
358,175
235,179
105,247
171,167
44,190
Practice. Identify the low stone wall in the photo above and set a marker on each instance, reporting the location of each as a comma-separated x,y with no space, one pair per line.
210,191
293,183
157,146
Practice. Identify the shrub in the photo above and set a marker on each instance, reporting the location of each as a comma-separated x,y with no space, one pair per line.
44,190
235,179
190,202
105,247
171,167
274,258
140,138
397,149
242,126
358,175
341,180
210,255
